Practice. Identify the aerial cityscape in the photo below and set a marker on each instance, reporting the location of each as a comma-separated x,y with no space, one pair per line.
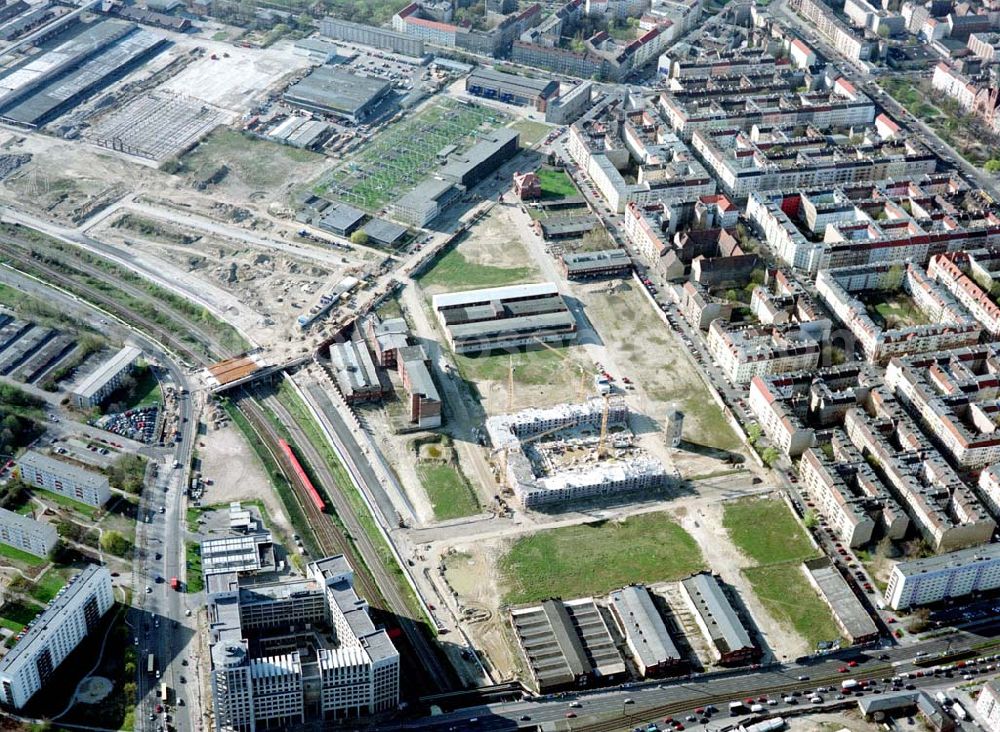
450,365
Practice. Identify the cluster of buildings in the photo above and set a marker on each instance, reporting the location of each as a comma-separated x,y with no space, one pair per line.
535,483
358,367
289,649
48,640
570,643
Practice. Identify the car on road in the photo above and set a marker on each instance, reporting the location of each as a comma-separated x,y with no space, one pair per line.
148,589
570,715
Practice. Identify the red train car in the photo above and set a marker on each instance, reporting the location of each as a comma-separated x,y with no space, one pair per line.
313,493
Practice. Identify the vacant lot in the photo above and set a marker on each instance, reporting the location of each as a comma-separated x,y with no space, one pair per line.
592,559
531,131
791,600
656,361
257,165
454,272
765,530
448,491
556,184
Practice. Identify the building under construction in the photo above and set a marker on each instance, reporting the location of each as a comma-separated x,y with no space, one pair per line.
587,462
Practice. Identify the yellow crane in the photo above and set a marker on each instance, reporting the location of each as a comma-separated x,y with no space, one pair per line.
526,441
582,391
602,443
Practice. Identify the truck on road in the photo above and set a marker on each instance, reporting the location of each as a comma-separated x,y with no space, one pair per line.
959,711
849,684
175,584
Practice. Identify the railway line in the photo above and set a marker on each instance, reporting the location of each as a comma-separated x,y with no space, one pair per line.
373,583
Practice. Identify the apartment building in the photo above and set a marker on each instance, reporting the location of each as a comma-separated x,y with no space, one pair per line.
952,270
850,495
988,705
792,407
948,324
748,351
949,576
954,394
107,377
65,478
853,46
885,222
73,614
606,146
700,308
945,511
327,659
745,163
772,102
26,534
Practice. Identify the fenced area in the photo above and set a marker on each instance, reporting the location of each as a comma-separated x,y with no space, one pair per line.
396,160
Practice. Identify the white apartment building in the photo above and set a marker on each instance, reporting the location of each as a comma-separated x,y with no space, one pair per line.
743,353
66,479
98,385
73,614
27,534
988,705
958,574
953,84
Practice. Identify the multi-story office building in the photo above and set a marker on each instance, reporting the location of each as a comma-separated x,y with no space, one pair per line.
73,614
27,534
96,386
287,652
66,479
933,579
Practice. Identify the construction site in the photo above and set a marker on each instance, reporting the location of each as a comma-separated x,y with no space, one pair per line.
571,452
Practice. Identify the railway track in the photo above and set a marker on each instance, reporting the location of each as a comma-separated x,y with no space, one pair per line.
373,583
381,583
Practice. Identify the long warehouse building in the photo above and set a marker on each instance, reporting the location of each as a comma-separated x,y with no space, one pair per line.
653,650
504,317
718,620
105,379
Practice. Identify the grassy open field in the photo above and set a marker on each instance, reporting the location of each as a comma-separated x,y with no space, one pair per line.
257,163
47,586
69,503
448,491
195,582
895,311
556,184
789,597
531,131
765,530
592,559
15,614
399,157
454,271
16,555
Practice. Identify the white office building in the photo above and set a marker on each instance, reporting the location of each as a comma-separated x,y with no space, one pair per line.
74,613
96,386
64,478
26,534
956,574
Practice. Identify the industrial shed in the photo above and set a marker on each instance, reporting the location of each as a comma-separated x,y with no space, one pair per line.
332,91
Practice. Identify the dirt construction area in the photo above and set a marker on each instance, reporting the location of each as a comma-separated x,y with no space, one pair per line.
237,475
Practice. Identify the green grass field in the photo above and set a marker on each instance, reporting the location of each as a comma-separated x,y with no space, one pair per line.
531,131
789,597
81,508
765,530
532,367
16,555
448,491
896,312
258,163
399,157
556,184
47,587
592,559
16,614
195,582
454,271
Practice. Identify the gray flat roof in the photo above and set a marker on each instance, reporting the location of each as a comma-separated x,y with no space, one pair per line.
488,295
951,560
459,165
842,600
340,216
76,473
643,625
461,331
425,192
718,614
96,380
515,82
336,89
420,376
567,225
44,627
604,258
384,231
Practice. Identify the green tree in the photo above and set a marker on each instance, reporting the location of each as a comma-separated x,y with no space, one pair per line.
810,519
114,542
992,166
770,456
753,433
359,237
